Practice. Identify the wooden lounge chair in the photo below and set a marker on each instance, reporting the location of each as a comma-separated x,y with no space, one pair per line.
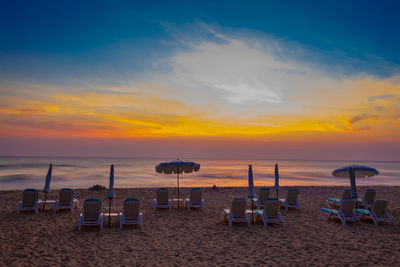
195,200
291,200
30,201
66,200
237,213
92,215
162,201
368,200
345,212
378,212
263,194
335,202
131,214
271,213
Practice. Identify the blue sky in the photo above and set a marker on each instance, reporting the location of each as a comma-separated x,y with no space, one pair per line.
67,38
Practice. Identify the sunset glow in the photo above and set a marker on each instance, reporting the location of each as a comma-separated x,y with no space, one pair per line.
216,82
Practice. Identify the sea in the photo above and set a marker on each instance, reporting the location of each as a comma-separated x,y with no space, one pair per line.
18,173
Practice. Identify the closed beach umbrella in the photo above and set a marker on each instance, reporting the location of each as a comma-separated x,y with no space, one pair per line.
277,180
251,193
178,167
110,194
353,172
251,184
46,188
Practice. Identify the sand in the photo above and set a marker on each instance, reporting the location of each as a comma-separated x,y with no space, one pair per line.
198,238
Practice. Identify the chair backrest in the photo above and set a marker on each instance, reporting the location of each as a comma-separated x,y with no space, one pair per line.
91,209
65,196
162,196
29,197
347,193
292,195
131,208
238,207
195,195
271,207
263,194
347,206
379,207
369,196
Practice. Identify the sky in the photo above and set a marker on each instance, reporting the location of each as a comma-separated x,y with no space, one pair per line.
201,79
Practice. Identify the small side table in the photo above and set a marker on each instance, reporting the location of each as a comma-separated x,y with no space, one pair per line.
114,219
178,200
49,204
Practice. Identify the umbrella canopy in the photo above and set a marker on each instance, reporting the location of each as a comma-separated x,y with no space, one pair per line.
110,193
276,179
251,184
353,172
46,188
178,167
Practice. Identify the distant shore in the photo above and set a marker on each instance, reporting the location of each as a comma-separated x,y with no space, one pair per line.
198,238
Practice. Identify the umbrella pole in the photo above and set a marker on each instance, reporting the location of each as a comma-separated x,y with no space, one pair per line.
109,214
277,193
177,177
252,210
44,204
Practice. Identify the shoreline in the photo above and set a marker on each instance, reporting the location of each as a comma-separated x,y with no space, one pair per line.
199,238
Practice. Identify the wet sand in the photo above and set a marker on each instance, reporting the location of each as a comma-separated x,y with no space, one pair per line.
198,238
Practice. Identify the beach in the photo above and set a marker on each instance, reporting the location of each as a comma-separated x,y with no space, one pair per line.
198,238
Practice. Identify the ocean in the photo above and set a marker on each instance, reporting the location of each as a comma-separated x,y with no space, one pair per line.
23,172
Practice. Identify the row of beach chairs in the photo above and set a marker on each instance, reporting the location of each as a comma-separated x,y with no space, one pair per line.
267,207
31,201
350,209
345,209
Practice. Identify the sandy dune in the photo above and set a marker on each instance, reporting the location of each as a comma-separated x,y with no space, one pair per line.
199,238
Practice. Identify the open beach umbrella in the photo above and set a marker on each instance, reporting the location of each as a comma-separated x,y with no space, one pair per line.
251,193
46,188
110,194
353,172
277,180
178,167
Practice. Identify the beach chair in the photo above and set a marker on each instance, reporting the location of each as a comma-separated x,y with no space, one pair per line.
162,201
346,211
30,201
92,215
335,202
291,200
237,213
263,194
368,200
378,212
66,200
271,213
130,214
195,200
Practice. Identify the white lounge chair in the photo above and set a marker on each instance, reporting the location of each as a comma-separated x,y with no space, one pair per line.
271,213
131,214
237,213
162,200
91,215
195,200
368,200
335,202
263,194
291,200
378,212
66,200
345,212
30,201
